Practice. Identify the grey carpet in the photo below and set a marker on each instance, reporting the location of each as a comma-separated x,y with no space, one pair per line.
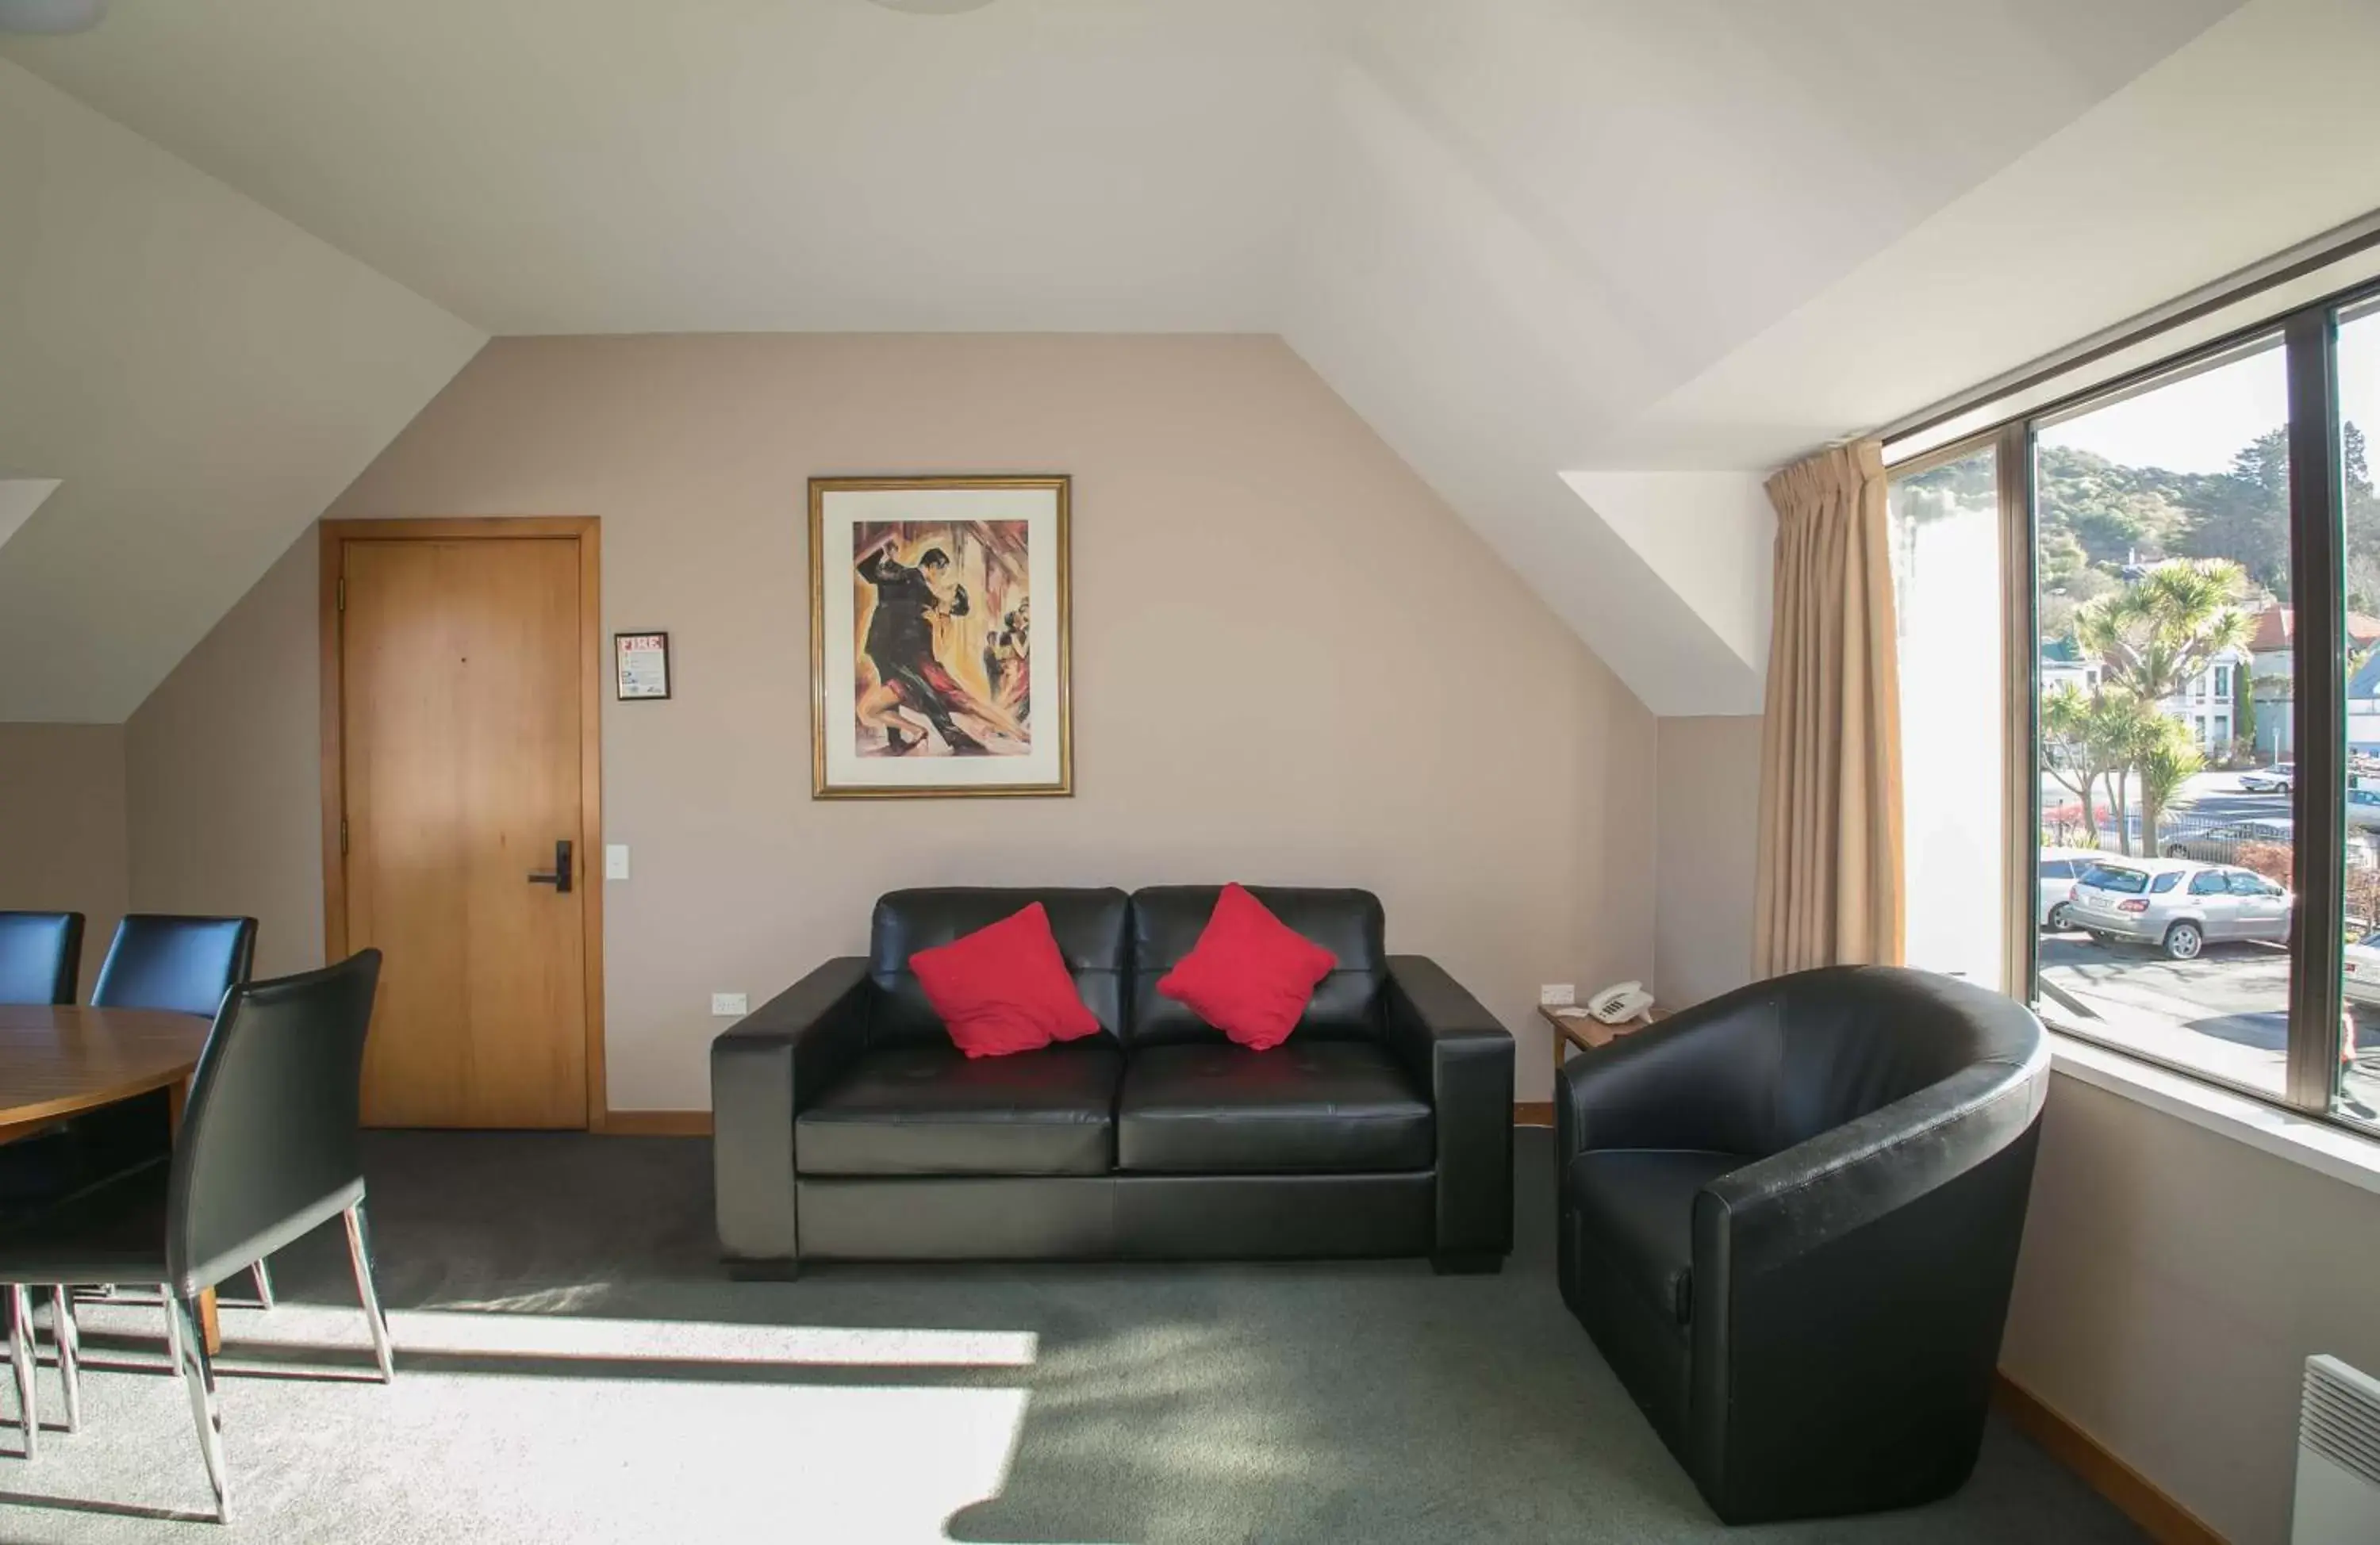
573,1366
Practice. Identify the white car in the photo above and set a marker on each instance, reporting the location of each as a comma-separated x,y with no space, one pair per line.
2178,906
2060,868
2362,979
2278,779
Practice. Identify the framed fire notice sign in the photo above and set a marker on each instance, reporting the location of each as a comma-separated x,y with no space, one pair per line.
640,665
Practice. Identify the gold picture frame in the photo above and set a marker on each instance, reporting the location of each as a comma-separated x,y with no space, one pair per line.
936,670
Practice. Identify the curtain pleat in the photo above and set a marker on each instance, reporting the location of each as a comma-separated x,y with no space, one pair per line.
1829,887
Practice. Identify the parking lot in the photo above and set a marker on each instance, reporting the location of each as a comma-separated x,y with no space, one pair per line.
2226,1012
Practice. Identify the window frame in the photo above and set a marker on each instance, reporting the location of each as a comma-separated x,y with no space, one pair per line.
2306,332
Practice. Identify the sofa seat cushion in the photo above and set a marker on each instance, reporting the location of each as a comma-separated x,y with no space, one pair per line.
931,1110
1636,1209
1306,1107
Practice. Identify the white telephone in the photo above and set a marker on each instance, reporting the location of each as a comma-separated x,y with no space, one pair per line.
1619,1002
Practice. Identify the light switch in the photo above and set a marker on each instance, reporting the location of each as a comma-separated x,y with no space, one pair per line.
615,861
729,1006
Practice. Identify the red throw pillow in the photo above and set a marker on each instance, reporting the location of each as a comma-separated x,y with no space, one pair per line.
1004,987
1250,975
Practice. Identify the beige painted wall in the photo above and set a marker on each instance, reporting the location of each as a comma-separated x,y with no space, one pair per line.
223,772
1707,832
1291,663
2173,1283
63,843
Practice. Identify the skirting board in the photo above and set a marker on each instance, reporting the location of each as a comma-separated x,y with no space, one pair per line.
2137,1497
657,1123
1533,1113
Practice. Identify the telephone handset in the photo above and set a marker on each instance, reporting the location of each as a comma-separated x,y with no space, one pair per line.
1619,1002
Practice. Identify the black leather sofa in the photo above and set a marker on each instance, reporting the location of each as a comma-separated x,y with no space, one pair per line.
1789,1217
847,1128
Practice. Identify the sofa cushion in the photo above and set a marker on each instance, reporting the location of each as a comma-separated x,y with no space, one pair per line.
1004,989
1636,1209
1310,1106
1090,927
1167,921
929,1110
1251,975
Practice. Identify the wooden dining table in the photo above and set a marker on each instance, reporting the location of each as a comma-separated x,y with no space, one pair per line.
61,1060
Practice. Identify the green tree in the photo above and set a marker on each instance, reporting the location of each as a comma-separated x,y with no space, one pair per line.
2153,638
2085,735
2165,758
2157,634
2243,514
2243,707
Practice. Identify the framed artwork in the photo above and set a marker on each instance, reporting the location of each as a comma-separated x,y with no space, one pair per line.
939,637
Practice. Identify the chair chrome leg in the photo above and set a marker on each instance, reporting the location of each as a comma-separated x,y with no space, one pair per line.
172,1332
69,1339
359,1253
263,1286
198,1371
20,1355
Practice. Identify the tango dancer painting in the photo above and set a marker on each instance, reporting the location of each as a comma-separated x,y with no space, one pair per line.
933,670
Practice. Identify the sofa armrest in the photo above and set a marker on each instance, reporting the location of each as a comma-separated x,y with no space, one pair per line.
1457,1050
762,1069
1700,1078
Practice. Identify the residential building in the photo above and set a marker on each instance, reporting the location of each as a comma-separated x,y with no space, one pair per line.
2272,670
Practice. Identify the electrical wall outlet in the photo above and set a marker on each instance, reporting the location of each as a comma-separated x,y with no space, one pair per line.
1558,995
615,861
730,1006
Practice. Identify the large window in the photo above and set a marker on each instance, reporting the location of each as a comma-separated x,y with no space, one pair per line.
2197,717
2161,556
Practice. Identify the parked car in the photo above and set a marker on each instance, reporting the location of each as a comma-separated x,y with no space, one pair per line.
2364,808
2060,868
2178,905
2221,843
2362,979
2278,779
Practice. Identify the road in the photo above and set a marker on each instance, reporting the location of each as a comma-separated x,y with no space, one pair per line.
2236,996
2238,993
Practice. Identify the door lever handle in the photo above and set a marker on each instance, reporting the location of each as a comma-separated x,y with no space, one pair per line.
559,875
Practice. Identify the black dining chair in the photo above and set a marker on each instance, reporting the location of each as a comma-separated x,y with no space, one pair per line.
40,961
268,1150
41,957
162,960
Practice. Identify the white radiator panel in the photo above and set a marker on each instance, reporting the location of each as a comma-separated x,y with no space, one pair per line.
2338,1456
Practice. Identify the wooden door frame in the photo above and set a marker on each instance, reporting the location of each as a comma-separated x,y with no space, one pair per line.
587,532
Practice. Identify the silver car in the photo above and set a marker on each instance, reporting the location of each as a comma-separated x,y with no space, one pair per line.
2278,779
2178,905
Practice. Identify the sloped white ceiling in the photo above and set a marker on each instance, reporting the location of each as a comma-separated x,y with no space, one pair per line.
197,375
1559,252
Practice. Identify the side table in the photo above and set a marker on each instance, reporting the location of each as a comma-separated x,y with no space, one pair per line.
1585,1033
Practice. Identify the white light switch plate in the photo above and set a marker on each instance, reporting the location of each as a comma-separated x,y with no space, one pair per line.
728,1006
1558,995
615,861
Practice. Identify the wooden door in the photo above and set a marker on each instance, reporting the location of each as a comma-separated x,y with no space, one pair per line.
464,710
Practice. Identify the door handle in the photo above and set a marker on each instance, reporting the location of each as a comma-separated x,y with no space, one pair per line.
559,875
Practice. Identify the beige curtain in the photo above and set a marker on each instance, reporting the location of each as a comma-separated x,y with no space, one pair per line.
1829,879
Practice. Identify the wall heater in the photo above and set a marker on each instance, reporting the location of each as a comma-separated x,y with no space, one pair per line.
2338,1456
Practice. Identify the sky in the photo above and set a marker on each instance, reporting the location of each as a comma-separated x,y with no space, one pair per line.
2197,424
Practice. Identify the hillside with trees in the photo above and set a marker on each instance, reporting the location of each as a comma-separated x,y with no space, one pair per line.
2095,517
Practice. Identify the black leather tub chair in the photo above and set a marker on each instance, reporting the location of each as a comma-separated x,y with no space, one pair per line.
1789,1217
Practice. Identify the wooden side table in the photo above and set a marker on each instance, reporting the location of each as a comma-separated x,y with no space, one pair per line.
1585,1033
